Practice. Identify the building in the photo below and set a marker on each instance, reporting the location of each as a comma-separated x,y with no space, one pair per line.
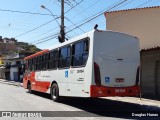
144,24
14,64
7,45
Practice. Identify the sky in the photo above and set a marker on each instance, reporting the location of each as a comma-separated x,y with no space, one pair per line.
18,19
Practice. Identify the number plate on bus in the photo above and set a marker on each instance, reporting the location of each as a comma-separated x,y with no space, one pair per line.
119,79
119,90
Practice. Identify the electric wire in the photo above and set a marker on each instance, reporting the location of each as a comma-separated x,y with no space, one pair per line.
88,20
23,12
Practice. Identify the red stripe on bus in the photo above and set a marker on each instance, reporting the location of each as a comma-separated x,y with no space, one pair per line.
41,86
36,54
102,91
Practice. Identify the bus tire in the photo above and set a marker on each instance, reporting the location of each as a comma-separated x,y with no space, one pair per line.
29,88
55,92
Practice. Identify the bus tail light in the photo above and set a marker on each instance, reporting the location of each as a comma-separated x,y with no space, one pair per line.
97,76
137,76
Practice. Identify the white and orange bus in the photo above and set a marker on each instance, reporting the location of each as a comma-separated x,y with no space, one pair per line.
95,64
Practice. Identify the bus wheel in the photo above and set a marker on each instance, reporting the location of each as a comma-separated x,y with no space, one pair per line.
55,92
29,87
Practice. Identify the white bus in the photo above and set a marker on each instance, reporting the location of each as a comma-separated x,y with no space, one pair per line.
95,64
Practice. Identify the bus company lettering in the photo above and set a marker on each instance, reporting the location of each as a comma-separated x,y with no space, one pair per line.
80,71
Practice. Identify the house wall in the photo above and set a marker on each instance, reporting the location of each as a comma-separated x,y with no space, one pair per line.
148,76
7,47
142,23
13,70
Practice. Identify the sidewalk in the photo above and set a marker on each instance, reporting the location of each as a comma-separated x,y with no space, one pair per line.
9,82
147,102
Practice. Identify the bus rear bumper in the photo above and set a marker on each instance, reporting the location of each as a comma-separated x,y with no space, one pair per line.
102,91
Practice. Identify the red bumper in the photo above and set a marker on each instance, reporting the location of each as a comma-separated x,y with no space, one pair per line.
102,91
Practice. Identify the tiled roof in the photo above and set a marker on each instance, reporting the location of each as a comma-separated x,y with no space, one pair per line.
153,48
133,9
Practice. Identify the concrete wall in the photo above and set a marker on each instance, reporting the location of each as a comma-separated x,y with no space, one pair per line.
142,23
148,63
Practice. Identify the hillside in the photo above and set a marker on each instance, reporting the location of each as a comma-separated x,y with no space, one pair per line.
25,47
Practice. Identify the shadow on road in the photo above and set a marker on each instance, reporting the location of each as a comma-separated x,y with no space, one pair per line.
104,107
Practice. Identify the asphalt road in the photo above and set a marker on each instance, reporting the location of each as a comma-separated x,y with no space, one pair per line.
14,98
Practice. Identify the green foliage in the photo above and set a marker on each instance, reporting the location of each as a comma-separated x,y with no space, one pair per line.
27,48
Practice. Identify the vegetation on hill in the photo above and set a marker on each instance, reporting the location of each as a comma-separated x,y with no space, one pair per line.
27,48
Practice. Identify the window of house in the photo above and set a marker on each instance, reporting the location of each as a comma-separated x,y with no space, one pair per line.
80,53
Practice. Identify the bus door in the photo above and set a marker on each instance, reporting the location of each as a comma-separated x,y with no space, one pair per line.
76,72
76,81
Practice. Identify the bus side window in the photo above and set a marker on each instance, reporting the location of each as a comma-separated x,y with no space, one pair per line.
80,53
64,57
77,50
32,66
68,58
53,60
86,46
43,62
55,64
46,61
86,51
36,64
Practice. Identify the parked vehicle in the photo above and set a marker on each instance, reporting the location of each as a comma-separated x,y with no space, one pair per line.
95,64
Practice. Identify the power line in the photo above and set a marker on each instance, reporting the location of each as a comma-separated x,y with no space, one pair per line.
102,11
97,16
41,14
86,21
50,36
54,36
130,13
44,34
36,28
74,6
22,12
75,24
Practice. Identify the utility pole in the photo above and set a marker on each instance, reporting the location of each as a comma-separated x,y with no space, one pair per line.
62,31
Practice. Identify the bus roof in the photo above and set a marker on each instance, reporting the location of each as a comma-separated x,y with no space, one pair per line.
71,41
36,54
84,36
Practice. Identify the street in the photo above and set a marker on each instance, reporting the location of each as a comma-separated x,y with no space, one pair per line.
14,98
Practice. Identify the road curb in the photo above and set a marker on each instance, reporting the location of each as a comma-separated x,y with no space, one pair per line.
11,82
